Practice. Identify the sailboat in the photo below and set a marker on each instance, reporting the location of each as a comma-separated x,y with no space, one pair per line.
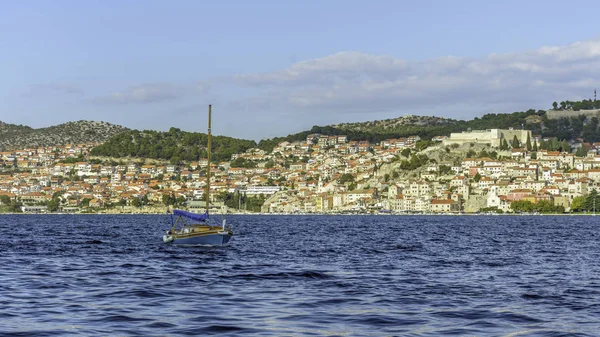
198,231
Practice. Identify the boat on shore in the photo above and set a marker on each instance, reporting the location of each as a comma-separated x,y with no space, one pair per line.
200,232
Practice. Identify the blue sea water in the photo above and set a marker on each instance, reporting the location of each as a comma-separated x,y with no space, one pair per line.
109,275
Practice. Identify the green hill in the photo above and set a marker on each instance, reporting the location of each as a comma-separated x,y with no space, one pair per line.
174,145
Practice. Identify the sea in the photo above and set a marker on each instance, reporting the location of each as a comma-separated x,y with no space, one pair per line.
348,275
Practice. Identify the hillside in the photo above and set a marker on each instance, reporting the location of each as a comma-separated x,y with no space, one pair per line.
13,128
174,145
424,126
395,124
18,136
571,125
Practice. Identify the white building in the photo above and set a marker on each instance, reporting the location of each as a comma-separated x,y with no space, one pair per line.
258,190
493,137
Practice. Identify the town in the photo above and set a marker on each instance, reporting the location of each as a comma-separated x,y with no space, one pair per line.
466,172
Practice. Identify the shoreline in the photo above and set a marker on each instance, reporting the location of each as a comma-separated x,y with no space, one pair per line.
311,214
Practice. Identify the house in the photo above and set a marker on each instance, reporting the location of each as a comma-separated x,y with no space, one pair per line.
34,197
443,206
298,167
96,203
519,194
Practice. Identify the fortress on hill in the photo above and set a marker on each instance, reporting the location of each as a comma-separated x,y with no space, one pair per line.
556,114
493,137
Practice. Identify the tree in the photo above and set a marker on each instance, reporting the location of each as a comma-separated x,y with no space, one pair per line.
592,201
346,177
444,170
528,143
565,147
415,162
167,199
135,202
581,151
578,204
554,105
590,130
5,199
515,142
535,145
180,200
563,105
542,206
52,205
423,144
15,206
477,177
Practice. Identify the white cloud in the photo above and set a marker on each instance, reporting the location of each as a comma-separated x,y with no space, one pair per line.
359,82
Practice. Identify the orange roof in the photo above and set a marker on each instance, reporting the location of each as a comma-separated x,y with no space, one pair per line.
441,201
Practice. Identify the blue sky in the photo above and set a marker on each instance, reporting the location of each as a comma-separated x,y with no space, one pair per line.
271,68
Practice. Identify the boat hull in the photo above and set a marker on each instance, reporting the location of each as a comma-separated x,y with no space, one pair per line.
215,239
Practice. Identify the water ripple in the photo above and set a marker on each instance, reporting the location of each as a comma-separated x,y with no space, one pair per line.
92,275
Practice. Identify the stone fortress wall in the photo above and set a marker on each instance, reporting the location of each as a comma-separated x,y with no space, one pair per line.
510,134
493,137
556,114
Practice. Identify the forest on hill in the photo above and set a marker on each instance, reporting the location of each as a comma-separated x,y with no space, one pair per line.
586,104
174,146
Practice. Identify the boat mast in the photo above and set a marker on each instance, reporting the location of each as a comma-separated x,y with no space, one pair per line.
208,167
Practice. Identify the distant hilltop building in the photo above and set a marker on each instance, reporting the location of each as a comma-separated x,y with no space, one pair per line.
557,114
493,137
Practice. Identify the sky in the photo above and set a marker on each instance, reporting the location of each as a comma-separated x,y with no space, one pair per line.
271,68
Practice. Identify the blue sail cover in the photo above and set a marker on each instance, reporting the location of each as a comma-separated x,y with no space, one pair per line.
191,216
